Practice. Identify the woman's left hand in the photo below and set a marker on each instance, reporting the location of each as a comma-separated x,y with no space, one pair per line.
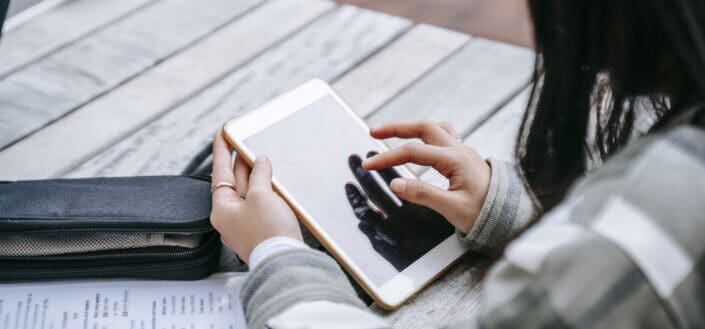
252,212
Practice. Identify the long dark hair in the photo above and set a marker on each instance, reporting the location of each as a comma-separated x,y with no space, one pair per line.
4,4
608,71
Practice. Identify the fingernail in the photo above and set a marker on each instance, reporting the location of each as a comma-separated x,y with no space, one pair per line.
398,185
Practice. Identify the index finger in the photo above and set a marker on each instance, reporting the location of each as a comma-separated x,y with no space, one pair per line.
430,132
421,154
222,169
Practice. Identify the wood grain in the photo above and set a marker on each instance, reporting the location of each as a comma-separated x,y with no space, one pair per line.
456,295
379,79
70,77
57,28
464,90
327,48
70,141
496,138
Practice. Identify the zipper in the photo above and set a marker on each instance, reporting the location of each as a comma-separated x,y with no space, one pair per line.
165,228
121,225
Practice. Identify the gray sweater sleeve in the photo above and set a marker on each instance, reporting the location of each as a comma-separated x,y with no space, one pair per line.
291,277
507,210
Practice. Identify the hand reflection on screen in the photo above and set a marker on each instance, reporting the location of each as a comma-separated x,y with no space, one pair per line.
400,233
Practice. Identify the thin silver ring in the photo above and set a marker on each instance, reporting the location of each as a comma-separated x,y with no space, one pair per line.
222,184
459,140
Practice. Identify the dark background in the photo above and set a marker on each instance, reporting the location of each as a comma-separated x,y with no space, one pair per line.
504,20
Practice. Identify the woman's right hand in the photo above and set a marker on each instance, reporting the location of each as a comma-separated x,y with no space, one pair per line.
468,173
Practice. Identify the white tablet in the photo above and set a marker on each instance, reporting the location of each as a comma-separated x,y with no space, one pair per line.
316,144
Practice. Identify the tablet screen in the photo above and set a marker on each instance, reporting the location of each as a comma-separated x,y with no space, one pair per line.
316,155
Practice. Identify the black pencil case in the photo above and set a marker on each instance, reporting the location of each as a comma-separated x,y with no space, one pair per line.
125,227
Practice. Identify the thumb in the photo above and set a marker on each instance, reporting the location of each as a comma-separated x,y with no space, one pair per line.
422,193
261,176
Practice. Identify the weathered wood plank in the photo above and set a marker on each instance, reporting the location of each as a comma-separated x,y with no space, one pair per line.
495,138
70,77
464,90
33,39
377,80
85,132
456,295
329,47
22,11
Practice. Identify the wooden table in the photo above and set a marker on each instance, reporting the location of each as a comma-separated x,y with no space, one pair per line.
137,87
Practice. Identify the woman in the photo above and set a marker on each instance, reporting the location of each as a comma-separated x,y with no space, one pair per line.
611,169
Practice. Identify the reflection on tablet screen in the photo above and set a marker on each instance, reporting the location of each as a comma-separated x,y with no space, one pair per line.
317,154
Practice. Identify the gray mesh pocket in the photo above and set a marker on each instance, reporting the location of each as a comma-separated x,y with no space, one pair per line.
39,244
